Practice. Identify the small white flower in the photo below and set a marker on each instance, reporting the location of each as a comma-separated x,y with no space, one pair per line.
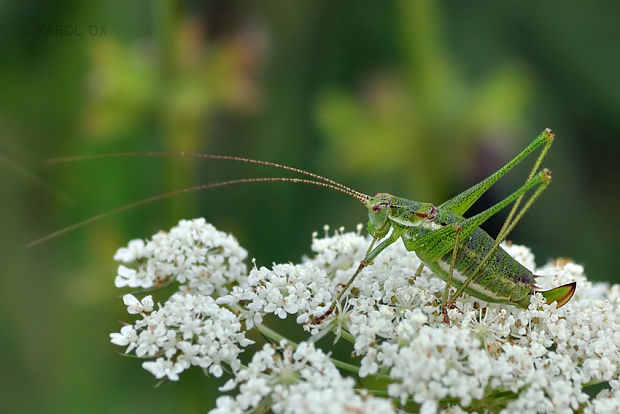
132,278
136,306
286,290
161,368
187,330
127,336
135,250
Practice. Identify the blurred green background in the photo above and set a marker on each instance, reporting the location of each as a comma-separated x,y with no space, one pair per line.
417,98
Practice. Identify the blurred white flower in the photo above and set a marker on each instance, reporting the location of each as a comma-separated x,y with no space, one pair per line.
136,249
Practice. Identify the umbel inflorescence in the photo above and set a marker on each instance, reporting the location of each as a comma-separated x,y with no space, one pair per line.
489,358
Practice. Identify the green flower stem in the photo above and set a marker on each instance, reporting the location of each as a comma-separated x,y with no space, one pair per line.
345,334
376,393
445,402
346,366
597,381
410,403
274,336
124,355
264,406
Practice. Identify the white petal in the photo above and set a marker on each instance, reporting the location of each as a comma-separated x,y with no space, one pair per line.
131,300
118,339
125,271
147,303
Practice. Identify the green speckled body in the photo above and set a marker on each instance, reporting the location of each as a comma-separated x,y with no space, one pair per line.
502,279
454,247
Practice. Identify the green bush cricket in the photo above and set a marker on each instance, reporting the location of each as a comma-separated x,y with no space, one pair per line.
453,247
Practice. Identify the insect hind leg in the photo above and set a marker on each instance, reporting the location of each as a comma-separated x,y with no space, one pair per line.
545,179
462,202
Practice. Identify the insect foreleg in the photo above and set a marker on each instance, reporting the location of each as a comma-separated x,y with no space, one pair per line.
446,291
397,231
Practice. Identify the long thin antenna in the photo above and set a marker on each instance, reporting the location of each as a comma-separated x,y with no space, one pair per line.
362,198
199,155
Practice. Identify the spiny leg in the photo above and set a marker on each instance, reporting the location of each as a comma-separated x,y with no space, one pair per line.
368,258
434,245
446,291
463,201
505,230
547,179
511,221
359,269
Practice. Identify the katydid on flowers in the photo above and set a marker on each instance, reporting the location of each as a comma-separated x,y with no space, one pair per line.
453,247
456,248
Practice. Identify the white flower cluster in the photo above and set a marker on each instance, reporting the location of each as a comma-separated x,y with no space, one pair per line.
187,330
193,253
537,359
296,380
285,289
490,357
190,328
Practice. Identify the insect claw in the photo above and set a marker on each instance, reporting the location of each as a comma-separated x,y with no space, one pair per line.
549,134
444,311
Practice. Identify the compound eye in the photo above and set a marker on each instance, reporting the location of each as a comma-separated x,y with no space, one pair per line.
376,208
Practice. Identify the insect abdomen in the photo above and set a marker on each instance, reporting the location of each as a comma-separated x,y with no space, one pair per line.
501,279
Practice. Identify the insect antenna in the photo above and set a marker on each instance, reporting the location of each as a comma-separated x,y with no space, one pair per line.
334,183
359,196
